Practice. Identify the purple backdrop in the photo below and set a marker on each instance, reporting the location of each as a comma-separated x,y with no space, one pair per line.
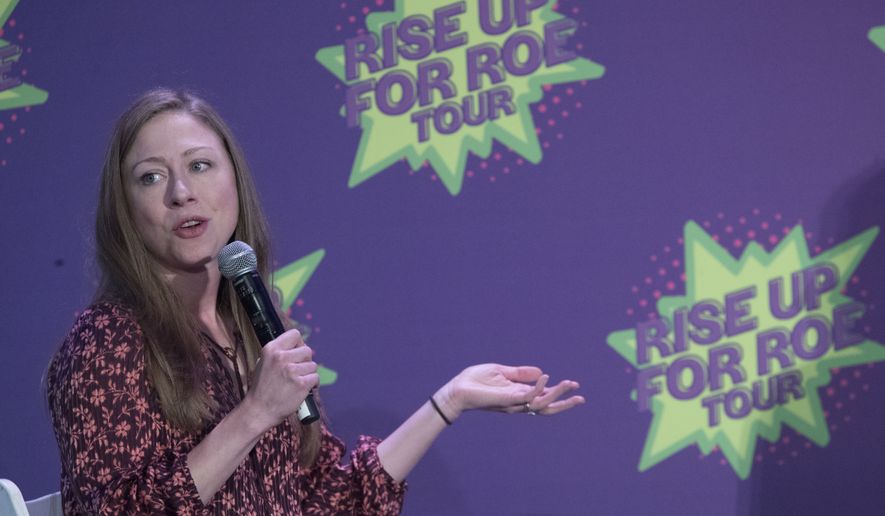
704,109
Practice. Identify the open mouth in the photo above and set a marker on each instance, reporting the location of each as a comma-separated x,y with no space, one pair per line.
191,228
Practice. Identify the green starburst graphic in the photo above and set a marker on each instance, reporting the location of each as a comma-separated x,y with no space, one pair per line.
877,36
711,275
388,139
289,281
24,94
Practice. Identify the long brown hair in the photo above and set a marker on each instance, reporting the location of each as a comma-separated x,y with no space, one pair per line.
173,356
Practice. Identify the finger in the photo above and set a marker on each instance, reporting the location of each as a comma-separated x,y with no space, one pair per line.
307,382
512,409
289,340
520,398
276,361
537,390
301,369
294,355
559,389
521,395
521,374
311,381
553,394
561,405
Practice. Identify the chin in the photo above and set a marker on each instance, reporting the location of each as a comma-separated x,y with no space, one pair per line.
194,264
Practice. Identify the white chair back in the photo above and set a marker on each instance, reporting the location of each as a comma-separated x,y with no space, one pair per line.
13,504
48,505
11,501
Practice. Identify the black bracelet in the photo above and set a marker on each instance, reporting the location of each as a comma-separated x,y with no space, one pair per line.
438,411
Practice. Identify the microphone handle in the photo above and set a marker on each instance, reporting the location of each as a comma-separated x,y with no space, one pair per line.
267,325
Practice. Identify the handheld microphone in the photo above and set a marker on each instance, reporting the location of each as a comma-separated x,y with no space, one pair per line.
238,263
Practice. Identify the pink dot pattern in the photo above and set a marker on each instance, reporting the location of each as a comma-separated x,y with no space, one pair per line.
303,319
559,102
11,128
734,233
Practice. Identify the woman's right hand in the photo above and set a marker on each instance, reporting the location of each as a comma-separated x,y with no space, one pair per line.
284,376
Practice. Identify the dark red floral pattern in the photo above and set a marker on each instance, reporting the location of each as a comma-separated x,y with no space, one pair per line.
120,456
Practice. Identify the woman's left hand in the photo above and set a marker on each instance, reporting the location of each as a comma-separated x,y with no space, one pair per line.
505,389
483,387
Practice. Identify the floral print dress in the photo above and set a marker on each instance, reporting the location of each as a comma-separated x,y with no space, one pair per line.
120,456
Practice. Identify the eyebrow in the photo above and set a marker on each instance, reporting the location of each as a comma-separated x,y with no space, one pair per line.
155,159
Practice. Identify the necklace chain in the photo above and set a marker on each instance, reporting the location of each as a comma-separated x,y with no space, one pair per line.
231,354
228,352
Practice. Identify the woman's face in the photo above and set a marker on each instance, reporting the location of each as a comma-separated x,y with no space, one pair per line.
179,181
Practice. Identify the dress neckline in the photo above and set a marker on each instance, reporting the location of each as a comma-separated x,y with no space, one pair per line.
232,354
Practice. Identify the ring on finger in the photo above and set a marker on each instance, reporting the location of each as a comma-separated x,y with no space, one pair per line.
528,410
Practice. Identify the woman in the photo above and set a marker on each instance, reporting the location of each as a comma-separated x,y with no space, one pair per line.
161,397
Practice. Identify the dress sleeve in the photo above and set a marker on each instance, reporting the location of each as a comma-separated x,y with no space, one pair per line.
360,487
118,454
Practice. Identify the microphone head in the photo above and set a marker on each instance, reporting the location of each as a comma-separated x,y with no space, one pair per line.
237,258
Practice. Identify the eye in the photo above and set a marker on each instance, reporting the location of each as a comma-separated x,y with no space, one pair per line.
199,166
150,178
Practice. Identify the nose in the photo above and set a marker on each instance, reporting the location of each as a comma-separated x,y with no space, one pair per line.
180,190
